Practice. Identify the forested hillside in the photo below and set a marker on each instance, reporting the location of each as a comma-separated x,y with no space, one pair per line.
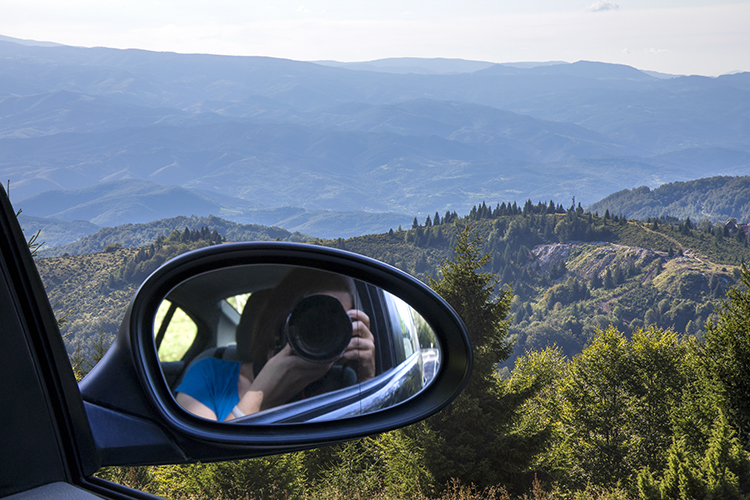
714,198
136,235
654,415
571,272
90,292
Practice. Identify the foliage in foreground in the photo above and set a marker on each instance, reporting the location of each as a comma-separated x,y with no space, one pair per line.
193,483
658,414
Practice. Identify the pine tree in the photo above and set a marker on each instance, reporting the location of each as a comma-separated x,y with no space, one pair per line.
470,292
471,440
723,455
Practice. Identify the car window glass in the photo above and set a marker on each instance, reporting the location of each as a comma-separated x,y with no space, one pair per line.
425,333
238,301
177,334
406,324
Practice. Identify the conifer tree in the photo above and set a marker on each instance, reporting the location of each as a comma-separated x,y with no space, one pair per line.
471,292
472,440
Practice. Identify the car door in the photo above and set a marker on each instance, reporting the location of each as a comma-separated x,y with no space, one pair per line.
45,438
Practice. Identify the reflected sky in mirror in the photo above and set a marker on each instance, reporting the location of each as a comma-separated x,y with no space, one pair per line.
286,344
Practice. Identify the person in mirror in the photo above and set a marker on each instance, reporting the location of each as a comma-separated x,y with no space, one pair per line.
222,390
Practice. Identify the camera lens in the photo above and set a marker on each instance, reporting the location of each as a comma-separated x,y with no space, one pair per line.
318,329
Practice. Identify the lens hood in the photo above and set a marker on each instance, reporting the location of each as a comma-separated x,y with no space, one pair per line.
318,329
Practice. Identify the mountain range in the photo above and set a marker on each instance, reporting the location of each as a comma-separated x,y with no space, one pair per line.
254,139
64,216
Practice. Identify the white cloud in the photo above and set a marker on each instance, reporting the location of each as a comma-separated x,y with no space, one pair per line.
603,5
303,10
657,51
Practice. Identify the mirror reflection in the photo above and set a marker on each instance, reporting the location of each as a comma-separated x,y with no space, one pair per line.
280,344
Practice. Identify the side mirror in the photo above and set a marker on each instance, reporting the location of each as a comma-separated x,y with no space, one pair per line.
210,317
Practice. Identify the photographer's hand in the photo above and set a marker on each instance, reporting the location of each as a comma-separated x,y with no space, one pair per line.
361,347
282,377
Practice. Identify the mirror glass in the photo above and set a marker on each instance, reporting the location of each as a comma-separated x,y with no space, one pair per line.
260,344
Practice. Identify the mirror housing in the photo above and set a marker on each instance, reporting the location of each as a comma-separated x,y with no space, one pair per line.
134,416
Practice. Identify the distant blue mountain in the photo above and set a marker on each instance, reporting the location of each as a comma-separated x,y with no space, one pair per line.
53,232
117,202
396,136
60,214
413,65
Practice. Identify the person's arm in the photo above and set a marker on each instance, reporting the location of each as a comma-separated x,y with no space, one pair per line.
195,407
282,377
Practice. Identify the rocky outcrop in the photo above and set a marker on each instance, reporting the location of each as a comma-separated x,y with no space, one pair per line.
584,259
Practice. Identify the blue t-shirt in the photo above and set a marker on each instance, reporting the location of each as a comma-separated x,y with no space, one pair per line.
213,382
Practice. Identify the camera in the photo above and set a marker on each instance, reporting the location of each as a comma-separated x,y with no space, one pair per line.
318,328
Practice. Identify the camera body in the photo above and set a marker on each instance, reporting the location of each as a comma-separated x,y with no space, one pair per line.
318,329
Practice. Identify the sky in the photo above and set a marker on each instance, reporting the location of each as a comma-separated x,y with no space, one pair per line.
703,37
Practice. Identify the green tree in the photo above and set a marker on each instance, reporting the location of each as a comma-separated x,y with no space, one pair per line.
545,371
723,463
618,397
596,281
609,282
474,440
723,472
656,386
482,305
725,355
597,409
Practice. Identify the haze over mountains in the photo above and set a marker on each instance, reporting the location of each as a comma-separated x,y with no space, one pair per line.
131,136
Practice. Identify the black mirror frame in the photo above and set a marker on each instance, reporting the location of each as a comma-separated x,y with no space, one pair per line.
133,360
